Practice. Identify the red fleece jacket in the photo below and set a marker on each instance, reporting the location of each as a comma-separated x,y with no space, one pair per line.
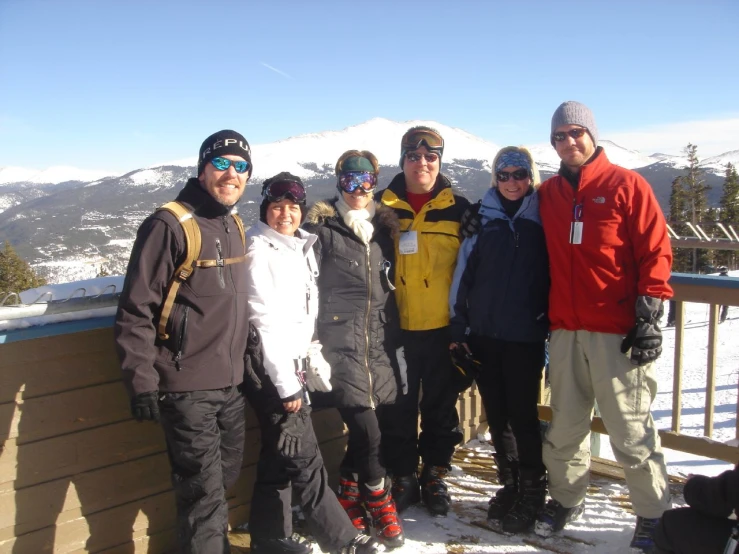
625,250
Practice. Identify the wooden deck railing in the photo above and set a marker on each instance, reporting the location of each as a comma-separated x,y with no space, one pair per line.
714,291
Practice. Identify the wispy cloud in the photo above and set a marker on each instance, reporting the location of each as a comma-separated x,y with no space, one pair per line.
276,70
713,137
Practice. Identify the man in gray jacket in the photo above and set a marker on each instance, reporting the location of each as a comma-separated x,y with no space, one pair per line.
188,374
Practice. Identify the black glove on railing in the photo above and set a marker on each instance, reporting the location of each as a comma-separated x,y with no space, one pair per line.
291,430
470,222
645,338
145,406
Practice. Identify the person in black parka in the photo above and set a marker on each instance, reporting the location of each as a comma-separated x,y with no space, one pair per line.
359,330
704,526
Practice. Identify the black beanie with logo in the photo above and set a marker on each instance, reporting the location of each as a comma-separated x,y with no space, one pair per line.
224,143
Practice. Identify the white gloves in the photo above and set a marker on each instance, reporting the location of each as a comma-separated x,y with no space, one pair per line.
400,353
318,372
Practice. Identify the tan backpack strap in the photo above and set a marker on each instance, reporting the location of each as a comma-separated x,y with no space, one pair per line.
225,261
193,245
240,225
228,261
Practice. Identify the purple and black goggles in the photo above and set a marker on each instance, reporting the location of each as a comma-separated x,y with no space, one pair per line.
279,190
352,180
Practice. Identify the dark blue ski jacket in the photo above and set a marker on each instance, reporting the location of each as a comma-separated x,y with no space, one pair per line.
500,287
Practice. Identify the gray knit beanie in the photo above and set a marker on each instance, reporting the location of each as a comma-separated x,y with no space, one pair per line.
574,113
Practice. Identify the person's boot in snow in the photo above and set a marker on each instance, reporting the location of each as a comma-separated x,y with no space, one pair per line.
361,544
554,517
501,503
406,491
434,489
643,538
351,500
279,546
380,505
529,502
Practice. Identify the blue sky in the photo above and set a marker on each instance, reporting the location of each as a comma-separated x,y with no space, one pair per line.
119,84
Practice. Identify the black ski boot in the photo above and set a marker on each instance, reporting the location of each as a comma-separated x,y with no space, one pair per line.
361,544
529,502
553,517
434,490
406,491
501,503
279,546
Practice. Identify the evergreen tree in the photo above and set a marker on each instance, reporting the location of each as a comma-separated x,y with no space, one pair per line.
682,257
15,273
730,210
696,194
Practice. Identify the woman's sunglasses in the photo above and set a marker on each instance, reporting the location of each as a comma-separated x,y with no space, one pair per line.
518,175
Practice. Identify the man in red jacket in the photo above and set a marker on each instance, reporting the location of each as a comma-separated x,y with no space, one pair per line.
610,260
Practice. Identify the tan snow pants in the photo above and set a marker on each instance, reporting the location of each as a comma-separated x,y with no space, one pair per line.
585,367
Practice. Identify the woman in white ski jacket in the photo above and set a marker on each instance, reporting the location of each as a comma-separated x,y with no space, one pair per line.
283,305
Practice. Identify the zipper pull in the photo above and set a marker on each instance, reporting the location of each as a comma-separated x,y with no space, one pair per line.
220,264
225,224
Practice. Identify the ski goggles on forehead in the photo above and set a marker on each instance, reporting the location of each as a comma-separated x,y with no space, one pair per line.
352,180
222,164
280,190
416,139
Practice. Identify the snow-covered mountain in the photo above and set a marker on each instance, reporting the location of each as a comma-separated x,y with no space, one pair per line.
306,155
70,223
52,175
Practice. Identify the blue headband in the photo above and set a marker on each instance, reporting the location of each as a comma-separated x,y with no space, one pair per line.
513,158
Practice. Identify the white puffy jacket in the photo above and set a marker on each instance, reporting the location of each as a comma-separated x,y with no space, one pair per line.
283,299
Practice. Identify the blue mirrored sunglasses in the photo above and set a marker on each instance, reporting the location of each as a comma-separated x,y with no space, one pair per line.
222,164
352,180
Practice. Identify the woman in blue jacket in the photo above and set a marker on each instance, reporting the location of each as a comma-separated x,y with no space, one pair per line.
498,302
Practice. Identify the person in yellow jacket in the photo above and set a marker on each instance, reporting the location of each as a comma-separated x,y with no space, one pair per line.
426,254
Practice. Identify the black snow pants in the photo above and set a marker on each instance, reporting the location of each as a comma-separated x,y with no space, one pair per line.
303,477
509,381
205,433
432,377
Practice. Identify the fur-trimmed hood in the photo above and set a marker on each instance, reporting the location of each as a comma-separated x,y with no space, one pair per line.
324,210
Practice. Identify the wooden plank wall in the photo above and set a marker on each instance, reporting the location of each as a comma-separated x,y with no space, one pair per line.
77,474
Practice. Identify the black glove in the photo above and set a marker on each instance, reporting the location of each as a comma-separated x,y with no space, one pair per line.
145,406
645,339
467,368
253,360
470,222
291,430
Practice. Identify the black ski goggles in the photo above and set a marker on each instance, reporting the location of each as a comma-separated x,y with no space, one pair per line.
353,180
422,137
279,190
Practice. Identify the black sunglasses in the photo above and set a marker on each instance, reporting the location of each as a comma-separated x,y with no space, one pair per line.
518,175
574,133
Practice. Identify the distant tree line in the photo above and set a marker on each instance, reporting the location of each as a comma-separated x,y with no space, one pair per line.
689,204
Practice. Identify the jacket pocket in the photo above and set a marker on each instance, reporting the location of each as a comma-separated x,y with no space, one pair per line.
336,331
181,338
